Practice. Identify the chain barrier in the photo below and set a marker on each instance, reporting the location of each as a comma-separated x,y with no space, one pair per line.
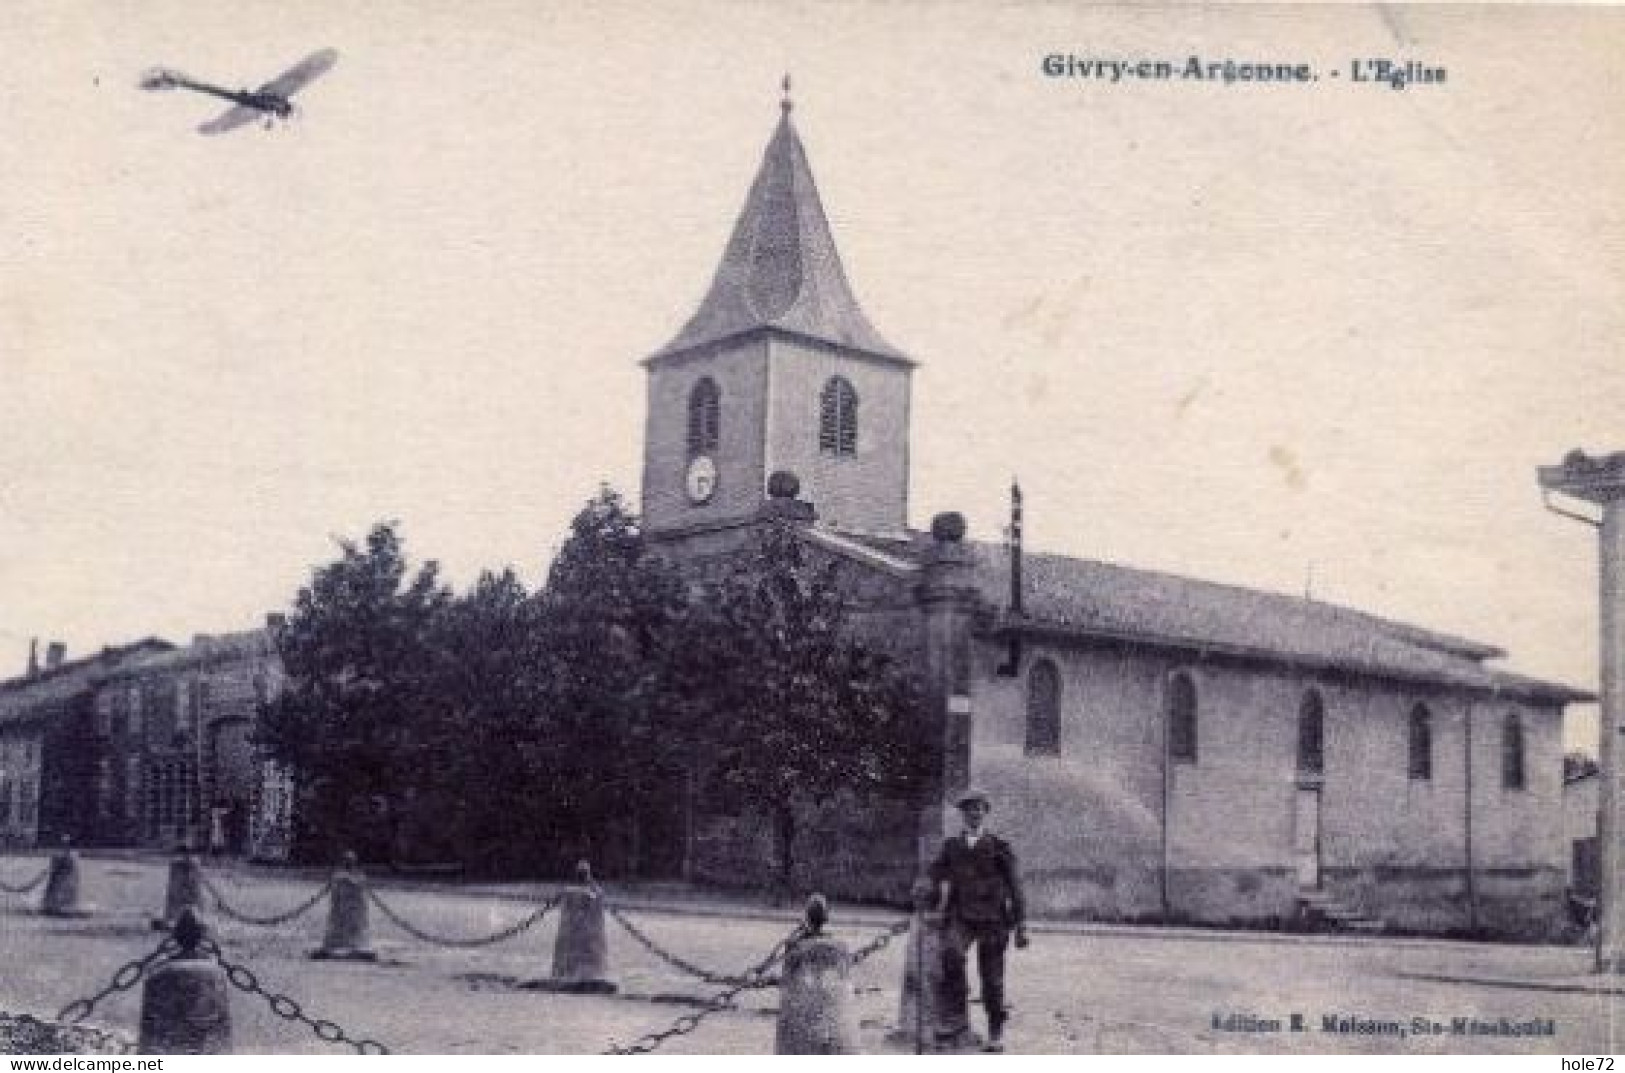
755,977
879,942
243,979
678,963
22,1033
273,921
522,925
30,886
128,975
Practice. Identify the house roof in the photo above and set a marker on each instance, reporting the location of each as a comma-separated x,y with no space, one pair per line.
21,697
780,269
1068,597
205,648
1107,600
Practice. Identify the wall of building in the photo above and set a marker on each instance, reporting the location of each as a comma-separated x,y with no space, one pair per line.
1089,823
866,491
1581,801
740,371
174,760
21,752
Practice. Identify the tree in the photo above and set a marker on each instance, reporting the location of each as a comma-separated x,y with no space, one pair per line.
483,736
359,684
609,618
797,708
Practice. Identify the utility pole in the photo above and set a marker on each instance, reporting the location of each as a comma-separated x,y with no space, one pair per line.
1601,482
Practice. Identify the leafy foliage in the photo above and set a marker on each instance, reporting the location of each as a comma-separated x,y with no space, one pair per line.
796,709
515,732
354,717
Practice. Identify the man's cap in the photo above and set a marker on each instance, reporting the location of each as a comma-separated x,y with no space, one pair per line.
973,795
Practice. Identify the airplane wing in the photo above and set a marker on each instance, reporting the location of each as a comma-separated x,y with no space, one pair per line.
301,74
232,118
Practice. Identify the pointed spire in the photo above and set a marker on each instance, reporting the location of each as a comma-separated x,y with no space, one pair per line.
781,269
33,658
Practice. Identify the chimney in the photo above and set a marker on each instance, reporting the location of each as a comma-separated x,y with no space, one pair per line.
275,620
1012,664
55,653
33,658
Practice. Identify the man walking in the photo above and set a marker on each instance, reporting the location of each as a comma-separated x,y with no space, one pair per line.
979,890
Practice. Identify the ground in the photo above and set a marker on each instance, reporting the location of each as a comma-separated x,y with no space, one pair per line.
1078,989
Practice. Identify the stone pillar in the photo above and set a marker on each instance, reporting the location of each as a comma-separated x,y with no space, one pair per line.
817,1003
61,898
185,890
1610,830
920,1015
1601,481
581,948
947,597
349,932
184,1009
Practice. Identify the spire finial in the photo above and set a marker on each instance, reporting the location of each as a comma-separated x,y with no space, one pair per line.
786,104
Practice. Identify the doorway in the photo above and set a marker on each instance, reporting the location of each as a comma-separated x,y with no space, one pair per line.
1306,836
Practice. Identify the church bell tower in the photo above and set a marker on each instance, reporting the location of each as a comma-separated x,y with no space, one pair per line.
778,370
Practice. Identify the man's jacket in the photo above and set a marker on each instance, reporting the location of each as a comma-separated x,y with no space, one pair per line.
983,884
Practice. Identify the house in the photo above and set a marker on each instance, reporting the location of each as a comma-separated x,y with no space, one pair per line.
42,772
169,741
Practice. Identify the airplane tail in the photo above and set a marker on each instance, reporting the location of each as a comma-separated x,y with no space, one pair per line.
161,78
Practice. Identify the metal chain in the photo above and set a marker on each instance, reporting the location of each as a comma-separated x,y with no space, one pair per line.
128,975
672,959
756,977
509,932
878,943
244,980
29,886
274,921
49,1037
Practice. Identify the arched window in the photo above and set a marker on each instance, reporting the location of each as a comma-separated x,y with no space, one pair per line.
1043,709
838,418
1312,734
1512,752
1421,738
1181,702
704,417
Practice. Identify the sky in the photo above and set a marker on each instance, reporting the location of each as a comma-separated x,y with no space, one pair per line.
1298,336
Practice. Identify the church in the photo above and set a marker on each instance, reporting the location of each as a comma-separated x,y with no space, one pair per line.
1158,748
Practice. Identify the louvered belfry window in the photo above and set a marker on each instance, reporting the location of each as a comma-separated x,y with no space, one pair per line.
838,418
704,417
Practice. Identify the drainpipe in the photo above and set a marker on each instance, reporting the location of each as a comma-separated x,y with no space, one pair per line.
1167,798
1472,885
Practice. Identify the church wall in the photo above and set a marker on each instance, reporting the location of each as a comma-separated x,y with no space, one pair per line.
867,491
1088,823
740,371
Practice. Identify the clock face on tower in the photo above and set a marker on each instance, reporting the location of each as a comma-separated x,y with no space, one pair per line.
701,480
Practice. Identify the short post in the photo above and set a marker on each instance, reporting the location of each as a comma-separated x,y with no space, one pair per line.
61,898
919,1012
581,948
817,1006
349,933
183,1002
185,890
